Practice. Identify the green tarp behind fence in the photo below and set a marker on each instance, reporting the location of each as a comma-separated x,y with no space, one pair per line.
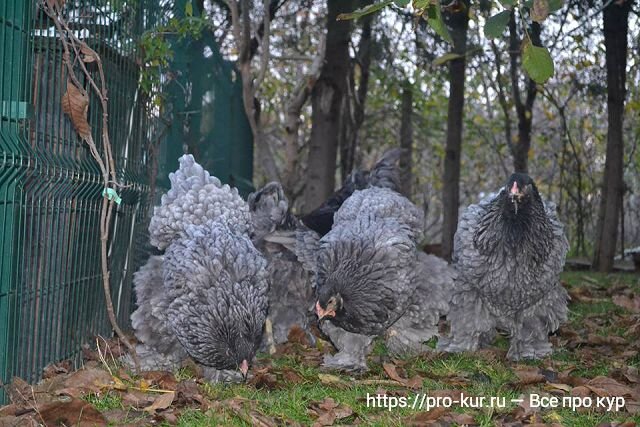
51,298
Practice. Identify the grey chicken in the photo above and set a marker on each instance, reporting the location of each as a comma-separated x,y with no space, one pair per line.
291,295
509,250
206,297
371,279
384,174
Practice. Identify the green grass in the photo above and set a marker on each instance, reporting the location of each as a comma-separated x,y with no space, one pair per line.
104,402
475,374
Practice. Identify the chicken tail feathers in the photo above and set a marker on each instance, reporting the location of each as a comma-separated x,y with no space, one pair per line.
307,242
196,198
269,209
385,172
149,321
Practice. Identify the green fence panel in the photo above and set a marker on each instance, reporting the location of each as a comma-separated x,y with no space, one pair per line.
51,297
209,119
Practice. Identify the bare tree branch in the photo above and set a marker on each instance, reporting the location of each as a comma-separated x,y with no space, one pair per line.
105,162
294,107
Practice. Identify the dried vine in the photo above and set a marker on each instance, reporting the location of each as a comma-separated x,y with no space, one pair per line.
75,103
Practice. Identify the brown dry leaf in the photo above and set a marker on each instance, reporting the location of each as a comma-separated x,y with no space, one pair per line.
524,409
427,417
161,402
55,369
297,335
461,419
392,373
529,375
88,54
631,374
137,399
583,294
71,412
90,380
166,417
558,386
122,373
11,421
329,411
162,379
415,382
10,410
291,376
264,379
19,391
189,393
566,378
597,340
606,387
75,104
390,369
251,415
580,391
631,303
632,406
332,380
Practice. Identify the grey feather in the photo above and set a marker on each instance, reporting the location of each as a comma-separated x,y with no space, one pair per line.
160,348
196,198
384,174
509,266
269,209
428,304
217,284
352,349
370,263
291,295
207,296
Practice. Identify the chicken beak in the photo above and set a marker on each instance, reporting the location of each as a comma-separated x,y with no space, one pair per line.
515,195
244,368
514,189
323,313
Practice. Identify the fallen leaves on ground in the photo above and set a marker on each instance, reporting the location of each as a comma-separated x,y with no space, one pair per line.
161,402
631,303
529,375
247,410
601,352
414,382
70,411
329,411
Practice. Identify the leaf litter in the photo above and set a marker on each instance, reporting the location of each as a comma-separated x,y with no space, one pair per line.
597,357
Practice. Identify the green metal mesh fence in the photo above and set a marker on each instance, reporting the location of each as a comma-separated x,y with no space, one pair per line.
51,297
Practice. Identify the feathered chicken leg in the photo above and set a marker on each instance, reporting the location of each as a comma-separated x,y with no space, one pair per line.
352,349
470,324
530,334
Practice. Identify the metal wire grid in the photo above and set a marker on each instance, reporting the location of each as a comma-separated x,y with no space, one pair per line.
51,298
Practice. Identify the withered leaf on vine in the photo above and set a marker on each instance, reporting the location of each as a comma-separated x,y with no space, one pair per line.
75,104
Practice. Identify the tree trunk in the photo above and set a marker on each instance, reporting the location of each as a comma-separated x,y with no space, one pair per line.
406,140
615,40
355,103
458,22
326,102
524,107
